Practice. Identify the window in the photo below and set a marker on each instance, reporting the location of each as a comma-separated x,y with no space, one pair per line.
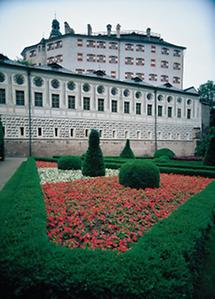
149,109
128,75
79,42
86,103
129,60
71,85
169,112
113,46
80,71
50,47
101,58
86,132
114,106
56,132
153,62
149,135
176,66
38,99
59,58
138,135
113,74
164,78
153,49
114,91
160,97
169,99
39,132
100,104
113,59
91,57
100,133
126,107
58,44
38,81
32,53
101,45
164,64
129,47
91,43
21,131
72,132
138,108
126,135
160,110
80,56
153,77
55,83
176,80
126,92
138,94
55,101
20,98
86,87
176,53
140,75
2,77
114,134
140,48
139,61
100,89
149,96
165,51
2,96
179,112
188,113
71,102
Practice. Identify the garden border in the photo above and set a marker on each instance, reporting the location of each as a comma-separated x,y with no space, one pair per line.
162,264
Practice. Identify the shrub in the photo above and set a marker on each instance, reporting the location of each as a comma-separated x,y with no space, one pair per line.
164,152
93,164
69,162
139,174
127,151
1,142
162,159
210,154
203,143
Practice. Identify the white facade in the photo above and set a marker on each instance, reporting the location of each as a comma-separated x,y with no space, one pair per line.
59,111
121,55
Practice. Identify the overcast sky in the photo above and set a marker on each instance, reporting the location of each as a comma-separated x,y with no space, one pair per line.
188,23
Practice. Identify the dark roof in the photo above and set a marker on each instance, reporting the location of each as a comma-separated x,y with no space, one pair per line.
96,75
129,37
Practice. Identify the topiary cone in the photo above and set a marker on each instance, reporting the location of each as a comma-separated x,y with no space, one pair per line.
93,164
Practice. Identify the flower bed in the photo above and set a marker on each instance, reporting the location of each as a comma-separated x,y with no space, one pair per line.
101,213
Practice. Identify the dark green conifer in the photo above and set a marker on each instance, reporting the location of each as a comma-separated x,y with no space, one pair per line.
210,154
93,164
127,151
1,142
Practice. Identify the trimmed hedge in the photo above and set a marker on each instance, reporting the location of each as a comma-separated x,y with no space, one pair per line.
162,264
93,163
69,162
139,174
164,152
210,154
187,171
127,151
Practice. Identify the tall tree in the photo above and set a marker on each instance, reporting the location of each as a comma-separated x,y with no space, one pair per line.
207,93
1,142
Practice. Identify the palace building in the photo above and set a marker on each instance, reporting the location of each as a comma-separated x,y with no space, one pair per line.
50,110
120,54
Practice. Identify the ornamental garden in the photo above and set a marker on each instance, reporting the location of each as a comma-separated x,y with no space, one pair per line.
106,227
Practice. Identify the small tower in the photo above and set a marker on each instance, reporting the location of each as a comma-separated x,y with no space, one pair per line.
55,29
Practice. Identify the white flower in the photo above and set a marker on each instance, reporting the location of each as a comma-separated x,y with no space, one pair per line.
55,175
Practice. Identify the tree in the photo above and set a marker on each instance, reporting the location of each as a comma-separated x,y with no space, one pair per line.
207,93
93,164
203,143
127,151
210,154
1,142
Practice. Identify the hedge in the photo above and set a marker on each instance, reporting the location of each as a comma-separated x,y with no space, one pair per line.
187,171
162,264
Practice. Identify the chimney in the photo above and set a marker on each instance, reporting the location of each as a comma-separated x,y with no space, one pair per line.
89,29
148,32
68,29
118,30
109,29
